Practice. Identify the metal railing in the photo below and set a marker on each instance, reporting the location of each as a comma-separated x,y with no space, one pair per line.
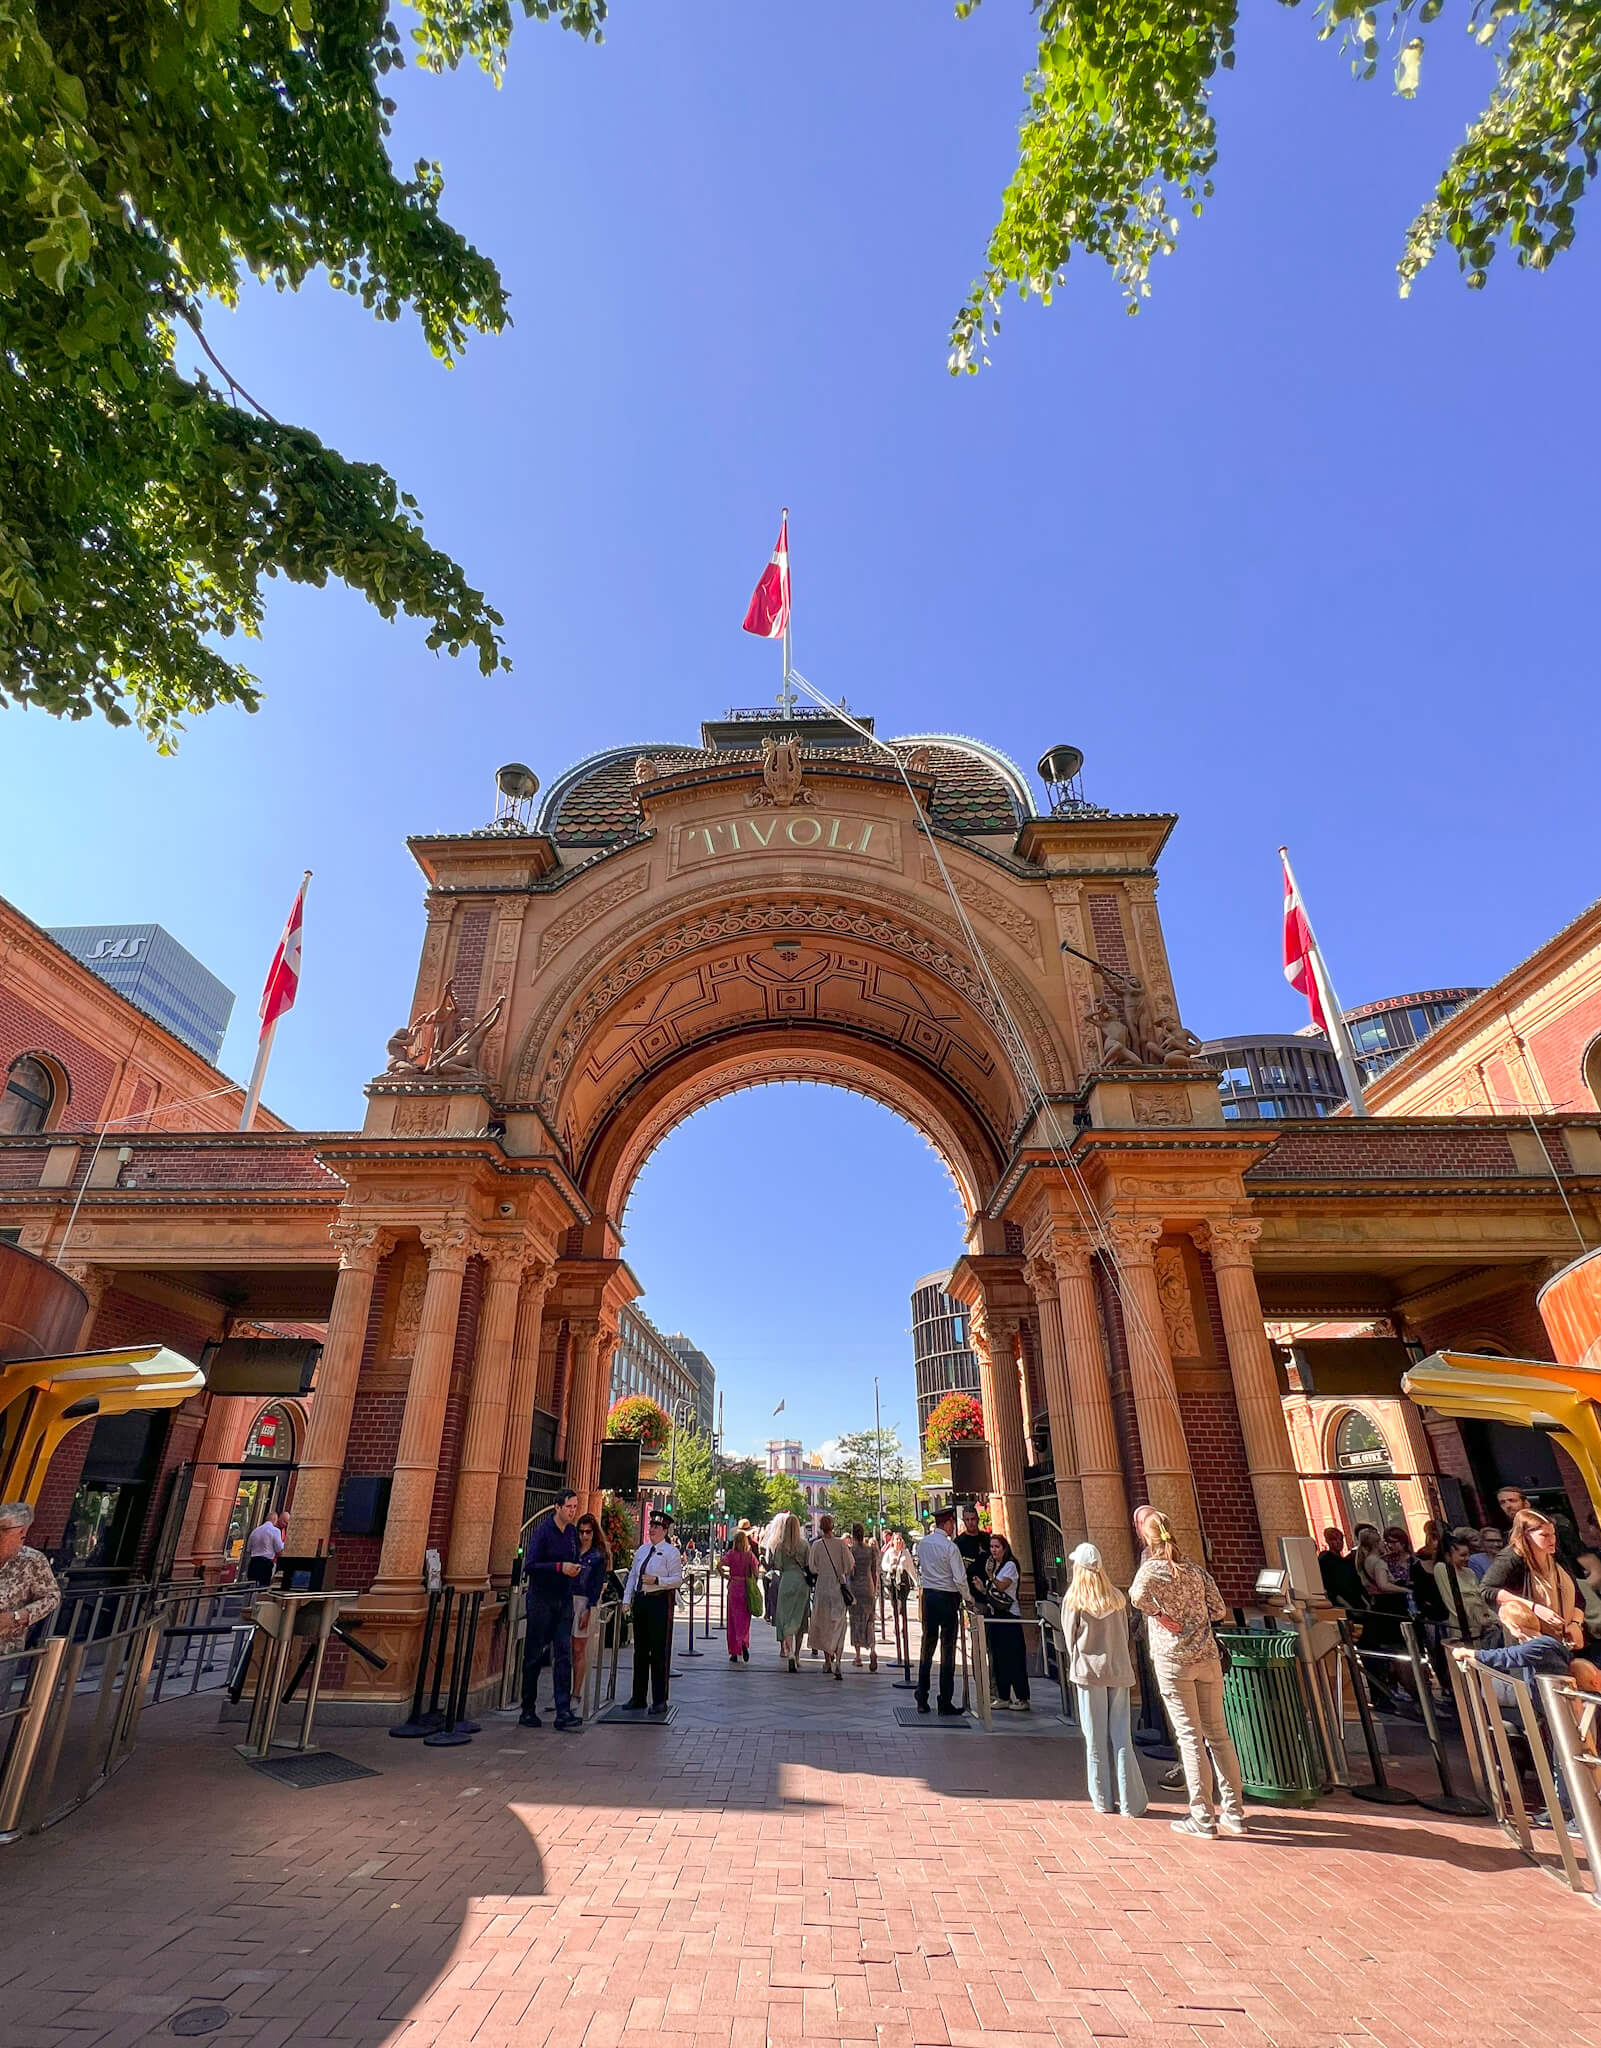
1555,1708
69,1714
1052,1650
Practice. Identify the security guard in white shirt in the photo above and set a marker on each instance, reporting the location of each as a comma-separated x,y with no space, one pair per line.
653,1581
942,1571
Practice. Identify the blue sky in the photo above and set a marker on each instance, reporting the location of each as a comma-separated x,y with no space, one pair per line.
1285,554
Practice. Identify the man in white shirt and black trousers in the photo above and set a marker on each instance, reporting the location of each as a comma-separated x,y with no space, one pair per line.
654,1578
943,1572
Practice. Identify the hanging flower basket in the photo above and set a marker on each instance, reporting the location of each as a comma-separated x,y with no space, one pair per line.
640,1418
956,1419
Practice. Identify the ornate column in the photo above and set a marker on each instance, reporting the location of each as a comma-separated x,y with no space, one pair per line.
1041,1275
423,1424
1274,1480
1100,1466
472,1518
94,1281
361,1251
587,1353
1156,1403
520,1405
1002,1396
227,1424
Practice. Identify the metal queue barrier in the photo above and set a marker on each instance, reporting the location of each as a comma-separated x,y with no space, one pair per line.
283,1621
975,1627
1571,1718
69,1717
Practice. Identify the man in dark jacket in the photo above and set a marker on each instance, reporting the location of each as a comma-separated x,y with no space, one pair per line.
550,1566
1340,1581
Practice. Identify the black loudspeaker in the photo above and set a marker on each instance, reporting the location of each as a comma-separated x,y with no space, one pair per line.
364,1508
970,1470
619,1467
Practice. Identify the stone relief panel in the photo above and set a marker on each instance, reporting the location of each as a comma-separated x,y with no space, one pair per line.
421,1117
991,906
1161,1106
1178,1308
593,907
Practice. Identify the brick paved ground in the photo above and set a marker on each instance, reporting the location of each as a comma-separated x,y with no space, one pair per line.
727,1886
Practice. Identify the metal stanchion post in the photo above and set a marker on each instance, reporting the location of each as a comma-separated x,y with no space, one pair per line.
456,1730
414,1723
1381,1792
1449,1800
689,1646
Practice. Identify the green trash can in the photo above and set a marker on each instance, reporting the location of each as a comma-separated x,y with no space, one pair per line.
1265,1708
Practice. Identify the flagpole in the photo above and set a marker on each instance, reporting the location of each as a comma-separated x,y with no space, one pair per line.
258,1074
1339,1032
786,695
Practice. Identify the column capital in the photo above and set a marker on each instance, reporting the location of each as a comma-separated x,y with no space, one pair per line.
449,1246
361,1246
1229,1239
508,1259
1134,1239
1072,1254
1039,1270
94,1280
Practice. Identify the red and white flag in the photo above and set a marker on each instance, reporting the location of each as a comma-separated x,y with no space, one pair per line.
283,976
767,615
1299,948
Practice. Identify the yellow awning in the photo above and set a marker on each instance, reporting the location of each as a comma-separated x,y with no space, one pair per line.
41,1399
1529,1393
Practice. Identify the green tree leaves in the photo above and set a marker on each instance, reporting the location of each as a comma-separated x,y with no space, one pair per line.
152,155
1118,141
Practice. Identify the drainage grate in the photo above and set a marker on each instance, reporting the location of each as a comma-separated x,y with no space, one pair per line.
315,1767
909,1717
201,2019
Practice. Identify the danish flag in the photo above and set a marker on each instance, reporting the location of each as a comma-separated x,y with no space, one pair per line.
283,976
1300,948
767,615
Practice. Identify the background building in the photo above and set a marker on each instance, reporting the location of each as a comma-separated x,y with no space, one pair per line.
940,1357
145,964
704,1374
1292,1075
645,1363
1295,1074
1381,1032
76,1054
786,1454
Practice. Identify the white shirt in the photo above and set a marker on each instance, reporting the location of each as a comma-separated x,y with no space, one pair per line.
664,1564
941,1567
267,1541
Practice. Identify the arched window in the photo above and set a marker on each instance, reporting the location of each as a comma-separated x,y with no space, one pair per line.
29,1097
1592,1071
274,1434
1362,1459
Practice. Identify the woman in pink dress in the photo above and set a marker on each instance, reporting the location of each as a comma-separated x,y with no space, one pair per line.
741,1566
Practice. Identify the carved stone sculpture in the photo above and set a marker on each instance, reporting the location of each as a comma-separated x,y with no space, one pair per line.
1171,1044
1116,1047
644,769
438,1042
782,783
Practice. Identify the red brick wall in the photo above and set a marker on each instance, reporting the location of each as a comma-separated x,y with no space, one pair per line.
373,1441
60,1485
469,970
1558,1051
1106,929
1511,1320
1378,1149
1122,1386
1222,1476
1034,1377
461,1362
25,1029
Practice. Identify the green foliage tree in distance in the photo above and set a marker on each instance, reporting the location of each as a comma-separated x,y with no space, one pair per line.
786,1496
744,1485
689,1458
854,1494
1118,138
152,157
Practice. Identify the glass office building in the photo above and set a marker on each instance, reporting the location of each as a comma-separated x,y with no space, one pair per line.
1382,1031
146,964
940,1355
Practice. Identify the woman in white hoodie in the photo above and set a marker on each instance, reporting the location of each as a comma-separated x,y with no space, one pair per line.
1095,1616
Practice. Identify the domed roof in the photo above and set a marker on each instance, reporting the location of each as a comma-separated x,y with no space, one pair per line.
977,790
